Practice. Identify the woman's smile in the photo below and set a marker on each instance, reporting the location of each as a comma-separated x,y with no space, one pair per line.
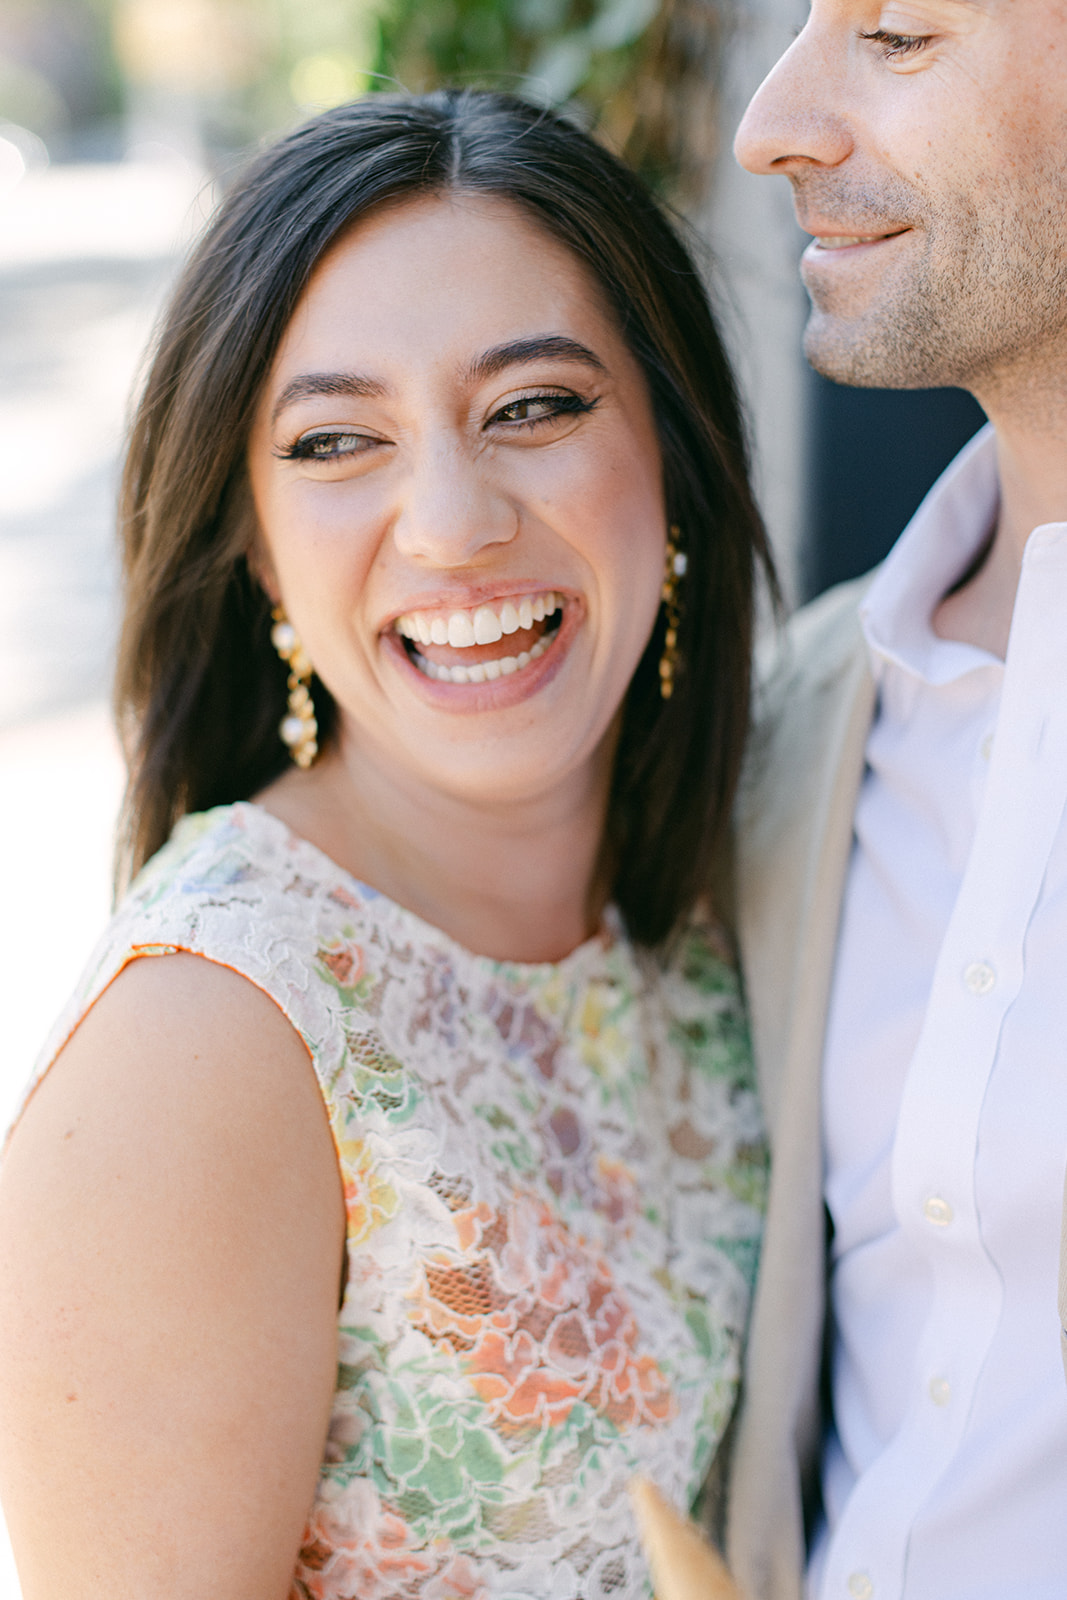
491,642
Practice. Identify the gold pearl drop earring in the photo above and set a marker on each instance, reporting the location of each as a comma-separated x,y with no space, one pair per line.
670,660
298,727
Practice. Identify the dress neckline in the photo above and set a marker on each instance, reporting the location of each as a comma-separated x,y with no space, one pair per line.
318,864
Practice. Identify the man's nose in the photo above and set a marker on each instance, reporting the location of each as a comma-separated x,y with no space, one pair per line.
797,117
451,510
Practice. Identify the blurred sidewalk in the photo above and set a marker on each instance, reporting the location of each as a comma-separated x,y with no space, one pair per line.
60,787
86,254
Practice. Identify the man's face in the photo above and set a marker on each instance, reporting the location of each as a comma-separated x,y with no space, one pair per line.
926,142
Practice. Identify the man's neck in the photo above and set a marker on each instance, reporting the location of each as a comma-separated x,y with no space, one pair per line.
1032,469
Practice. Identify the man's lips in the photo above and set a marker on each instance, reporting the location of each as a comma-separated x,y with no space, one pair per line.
830,241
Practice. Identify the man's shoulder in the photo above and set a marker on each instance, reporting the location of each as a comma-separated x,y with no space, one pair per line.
817,643
810,678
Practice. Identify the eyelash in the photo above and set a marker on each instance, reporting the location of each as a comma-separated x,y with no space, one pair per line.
309,448
897,44
562,405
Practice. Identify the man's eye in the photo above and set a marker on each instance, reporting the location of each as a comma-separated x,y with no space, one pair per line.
328,446
897,45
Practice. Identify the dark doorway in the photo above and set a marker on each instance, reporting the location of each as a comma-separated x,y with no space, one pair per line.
872,455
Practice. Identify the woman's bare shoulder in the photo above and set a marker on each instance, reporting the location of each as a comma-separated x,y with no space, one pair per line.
179,1031
171,1234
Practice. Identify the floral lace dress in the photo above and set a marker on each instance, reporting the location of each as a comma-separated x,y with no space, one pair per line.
554,1177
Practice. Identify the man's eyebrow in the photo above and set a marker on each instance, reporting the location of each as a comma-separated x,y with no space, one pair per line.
344,384
541,347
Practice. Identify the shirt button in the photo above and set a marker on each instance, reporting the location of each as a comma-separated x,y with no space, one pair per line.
860,1586
940,1391
986,747
937,1211
979,977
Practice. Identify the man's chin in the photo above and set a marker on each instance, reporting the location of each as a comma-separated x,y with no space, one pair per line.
861,356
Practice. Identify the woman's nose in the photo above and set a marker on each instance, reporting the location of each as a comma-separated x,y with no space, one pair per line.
451,510
796,118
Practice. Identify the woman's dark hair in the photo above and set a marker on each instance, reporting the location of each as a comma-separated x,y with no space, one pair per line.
199,689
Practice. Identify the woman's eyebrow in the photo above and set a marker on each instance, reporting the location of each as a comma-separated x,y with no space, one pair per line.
349,385
346,384
547,346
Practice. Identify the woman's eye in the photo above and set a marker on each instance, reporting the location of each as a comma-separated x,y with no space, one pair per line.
530,409
897,45
329,446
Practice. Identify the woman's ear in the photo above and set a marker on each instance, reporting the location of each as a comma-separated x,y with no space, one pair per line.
261,567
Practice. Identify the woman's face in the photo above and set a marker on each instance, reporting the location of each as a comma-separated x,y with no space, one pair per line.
458,489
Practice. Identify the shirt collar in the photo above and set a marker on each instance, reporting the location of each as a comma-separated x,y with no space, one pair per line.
935,549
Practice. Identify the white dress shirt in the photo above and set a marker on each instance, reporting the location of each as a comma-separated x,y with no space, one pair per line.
945,1091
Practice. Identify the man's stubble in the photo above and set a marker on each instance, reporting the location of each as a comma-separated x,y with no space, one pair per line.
977,299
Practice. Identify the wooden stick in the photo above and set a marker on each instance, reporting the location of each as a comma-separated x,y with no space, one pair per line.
684,1565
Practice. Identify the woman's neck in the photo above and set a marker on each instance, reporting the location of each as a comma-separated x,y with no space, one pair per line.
515,882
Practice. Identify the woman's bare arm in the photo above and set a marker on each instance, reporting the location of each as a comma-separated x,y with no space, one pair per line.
171,1236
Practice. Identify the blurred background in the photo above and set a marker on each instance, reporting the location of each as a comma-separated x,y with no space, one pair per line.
120,122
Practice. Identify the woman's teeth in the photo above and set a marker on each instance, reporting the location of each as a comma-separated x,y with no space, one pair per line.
483,671
481,626
485,625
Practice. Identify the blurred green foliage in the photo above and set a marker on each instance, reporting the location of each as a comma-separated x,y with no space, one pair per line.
640,73
556,49
219,73
615,64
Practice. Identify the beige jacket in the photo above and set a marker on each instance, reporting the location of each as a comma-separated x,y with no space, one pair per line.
794,837
793,845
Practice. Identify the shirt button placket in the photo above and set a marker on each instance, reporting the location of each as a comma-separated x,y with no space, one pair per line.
979,978
937,1211
940,1391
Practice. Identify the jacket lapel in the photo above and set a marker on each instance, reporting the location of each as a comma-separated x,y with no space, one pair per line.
793,848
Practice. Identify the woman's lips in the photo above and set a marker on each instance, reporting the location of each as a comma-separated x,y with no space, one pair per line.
478,625
482,643
493,673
